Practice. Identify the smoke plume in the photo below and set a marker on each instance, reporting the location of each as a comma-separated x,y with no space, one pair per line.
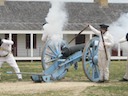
119,28
56,20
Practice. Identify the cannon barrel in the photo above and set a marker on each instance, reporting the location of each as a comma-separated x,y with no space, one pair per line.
69,51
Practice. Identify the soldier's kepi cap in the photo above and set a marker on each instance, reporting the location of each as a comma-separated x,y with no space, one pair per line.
103,26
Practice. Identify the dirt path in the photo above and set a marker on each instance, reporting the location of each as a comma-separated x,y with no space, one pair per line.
30,87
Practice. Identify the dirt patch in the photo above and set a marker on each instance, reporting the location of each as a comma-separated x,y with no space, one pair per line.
30,87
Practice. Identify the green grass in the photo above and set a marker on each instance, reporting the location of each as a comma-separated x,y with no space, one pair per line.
47,93
117,69
114,88
24,67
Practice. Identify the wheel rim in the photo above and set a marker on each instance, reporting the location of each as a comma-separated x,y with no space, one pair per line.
90,60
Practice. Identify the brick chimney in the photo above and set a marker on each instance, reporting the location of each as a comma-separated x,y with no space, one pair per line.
103,3
2,2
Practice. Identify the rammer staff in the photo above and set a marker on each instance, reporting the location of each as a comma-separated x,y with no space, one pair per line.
104,46
78,34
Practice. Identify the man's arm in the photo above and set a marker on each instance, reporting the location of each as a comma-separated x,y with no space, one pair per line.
9,42
122,40
94,30
110,43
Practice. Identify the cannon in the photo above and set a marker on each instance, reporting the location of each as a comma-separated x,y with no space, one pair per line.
57,59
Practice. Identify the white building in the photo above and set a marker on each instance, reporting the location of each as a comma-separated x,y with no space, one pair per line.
22,21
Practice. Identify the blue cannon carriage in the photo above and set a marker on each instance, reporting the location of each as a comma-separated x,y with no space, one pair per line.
56,60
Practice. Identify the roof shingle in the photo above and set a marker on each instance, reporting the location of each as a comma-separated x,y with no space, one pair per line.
31,15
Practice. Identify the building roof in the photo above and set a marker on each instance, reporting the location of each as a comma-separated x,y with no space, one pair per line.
31,15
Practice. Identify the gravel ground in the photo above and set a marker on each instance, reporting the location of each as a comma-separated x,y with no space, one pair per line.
30,87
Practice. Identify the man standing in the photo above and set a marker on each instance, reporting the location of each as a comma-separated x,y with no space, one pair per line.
7,56
104,51
124,39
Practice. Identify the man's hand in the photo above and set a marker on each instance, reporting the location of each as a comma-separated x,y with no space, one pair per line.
88,25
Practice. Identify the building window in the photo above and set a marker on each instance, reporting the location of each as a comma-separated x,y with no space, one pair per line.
34,41
80,39
6,36
28,41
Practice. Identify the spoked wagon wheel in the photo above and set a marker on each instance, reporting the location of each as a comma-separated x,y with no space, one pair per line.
90,60
51,53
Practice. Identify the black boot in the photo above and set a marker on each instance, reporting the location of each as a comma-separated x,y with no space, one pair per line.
123,80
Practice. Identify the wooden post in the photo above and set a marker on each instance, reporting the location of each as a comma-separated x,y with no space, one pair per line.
2,2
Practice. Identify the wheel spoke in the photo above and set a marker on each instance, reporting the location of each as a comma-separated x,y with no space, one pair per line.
93,50
96,74
50,61
90,51
57,48
88,62
50,55
52,50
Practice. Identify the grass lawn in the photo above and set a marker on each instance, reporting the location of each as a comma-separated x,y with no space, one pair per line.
113,88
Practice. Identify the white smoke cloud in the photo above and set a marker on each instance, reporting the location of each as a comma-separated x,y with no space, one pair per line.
119,28
56,20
